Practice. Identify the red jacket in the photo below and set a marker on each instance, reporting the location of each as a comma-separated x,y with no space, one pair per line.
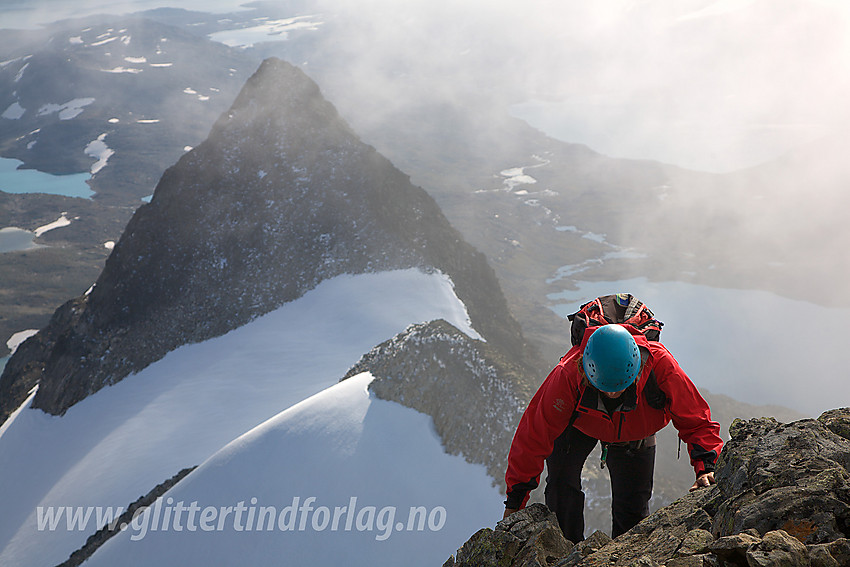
551,408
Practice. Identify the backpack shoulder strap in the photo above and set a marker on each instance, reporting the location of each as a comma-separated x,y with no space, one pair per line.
652,392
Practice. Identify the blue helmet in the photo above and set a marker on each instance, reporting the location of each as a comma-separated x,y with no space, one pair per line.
611,358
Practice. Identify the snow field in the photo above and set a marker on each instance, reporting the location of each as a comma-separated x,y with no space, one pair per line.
122,441
339,479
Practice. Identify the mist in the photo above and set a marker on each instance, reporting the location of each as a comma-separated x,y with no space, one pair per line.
751,92
713,85
716,85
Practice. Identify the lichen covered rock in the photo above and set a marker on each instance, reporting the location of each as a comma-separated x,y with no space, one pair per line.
528,538
782,498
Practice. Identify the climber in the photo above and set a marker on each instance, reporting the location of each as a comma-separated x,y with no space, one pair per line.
618,388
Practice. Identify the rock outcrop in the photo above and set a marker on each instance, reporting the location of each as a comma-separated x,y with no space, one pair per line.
782,498
474,394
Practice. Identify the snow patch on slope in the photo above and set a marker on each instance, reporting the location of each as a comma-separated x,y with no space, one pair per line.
125,439
68,110
366,462
98,149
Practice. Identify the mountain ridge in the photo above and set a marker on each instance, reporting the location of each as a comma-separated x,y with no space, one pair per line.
180,411
280,196
218,246
473,393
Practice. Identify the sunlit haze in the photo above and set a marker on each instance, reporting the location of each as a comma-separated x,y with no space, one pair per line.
705,84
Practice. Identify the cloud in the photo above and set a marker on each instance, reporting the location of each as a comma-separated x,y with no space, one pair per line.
716,85
730,77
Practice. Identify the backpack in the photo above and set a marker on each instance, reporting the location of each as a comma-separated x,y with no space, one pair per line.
621,308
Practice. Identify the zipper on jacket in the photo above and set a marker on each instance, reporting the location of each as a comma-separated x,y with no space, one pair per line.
620,428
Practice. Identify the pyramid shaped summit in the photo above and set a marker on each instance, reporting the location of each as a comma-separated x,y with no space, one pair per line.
281,196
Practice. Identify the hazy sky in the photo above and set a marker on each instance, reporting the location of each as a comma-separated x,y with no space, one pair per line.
707,84
717,88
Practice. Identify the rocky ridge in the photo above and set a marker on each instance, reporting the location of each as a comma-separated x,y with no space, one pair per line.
474,394
782,498
281,195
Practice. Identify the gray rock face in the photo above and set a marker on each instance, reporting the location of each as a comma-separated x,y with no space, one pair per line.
782,498
785,476
281,196
474,394
529,538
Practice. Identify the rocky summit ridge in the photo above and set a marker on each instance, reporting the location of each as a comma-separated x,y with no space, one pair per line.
474,394
281,196
782,498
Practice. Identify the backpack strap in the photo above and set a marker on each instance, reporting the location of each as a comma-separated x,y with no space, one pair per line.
575,414
652,393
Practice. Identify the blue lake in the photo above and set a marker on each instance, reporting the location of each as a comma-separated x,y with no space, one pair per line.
742,343
14,239
14,180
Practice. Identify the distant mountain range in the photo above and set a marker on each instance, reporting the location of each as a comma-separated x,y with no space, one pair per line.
119,98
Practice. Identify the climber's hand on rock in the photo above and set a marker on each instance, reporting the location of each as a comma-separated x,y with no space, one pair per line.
705,479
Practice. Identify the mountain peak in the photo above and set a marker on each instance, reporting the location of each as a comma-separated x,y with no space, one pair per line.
281,196
284,87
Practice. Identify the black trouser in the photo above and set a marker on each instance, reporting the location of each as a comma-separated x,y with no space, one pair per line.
631,473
